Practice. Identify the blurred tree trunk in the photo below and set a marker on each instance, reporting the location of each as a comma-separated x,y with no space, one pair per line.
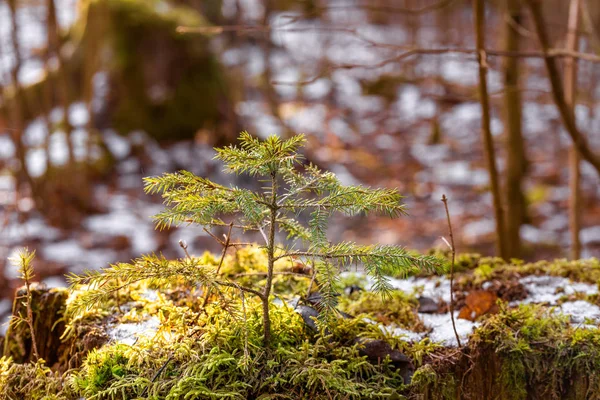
570,98
479,22
65,90
594,36
267,48
15,118
516,163
558,93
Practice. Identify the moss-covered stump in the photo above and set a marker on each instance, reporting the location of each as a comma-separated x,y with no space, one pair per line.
522,353
160,81
48,306
168,84
156,341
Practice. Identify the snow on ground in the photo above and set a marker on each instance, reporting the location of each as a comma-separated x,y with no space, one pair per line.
580,311
437,288
546,290
549,289
129,333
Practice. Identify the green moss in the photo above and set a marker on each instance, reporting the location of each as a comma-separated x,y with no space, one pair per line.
217,352
227,360
32,381
102,367
398,308
540,351
430,384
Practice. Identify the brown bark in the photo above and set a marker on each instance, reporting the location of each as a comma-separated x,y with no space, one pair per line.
590,29
570,99
15,112
479,16
558,93
65,90
516,162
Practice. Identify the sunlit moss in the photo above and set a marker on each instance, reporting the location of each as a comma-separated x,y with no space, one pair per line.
398,308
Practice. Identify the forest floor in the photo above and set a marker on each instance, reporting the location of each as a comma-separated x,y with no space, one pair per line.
368,125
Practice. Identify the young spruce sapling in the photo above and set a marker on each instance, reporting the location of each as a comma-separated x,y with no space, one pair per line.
290,189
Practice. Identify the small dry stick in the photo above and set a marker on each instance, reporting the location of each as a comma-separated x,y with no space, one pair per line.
226,245
184,246
30,318
451,245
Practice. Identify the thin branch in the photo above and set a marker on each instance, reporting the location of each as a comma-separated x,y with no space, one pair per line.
264,235
479,21
223,253
558,92
244,288
274,273
570,79
184,246
392,9
336,256
445,201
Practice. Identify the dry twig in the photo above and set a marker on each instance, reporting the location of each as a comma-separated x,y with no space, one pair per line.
452,248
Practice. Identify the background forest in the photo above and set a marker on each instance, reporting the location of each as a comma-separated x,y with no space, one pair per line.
432,97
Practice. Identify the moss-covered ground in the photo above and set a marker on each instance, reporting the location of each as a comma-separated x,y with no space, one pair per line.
212,352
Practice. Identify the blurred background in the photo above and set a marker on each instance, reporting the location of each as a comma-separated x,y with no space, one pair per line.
96,94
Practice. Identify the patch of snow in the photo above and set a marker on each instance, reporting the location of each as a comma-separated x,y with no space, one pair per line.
149,294
429,155
71,253
442,330
460,173
124,222
37,162
344,175
35,133
535,235
403,333
548,289
128,333
33,228
437,288
412,106
473,231
580,310
55,282
590,235
78,114
58,148
317,89
556,223
7,147
79,140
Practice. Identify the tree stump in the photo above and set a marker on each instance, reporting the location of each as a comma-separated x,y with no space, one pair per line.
48,306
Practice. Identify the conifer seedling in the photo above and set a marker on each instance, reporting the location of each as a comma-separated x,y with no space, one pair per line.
291,190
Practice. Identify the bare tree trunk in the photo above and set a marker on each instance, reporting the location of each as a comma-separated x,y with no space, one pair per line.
479,20
594,36
270,93
65,91
16,111
570,99
516,163
558,93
